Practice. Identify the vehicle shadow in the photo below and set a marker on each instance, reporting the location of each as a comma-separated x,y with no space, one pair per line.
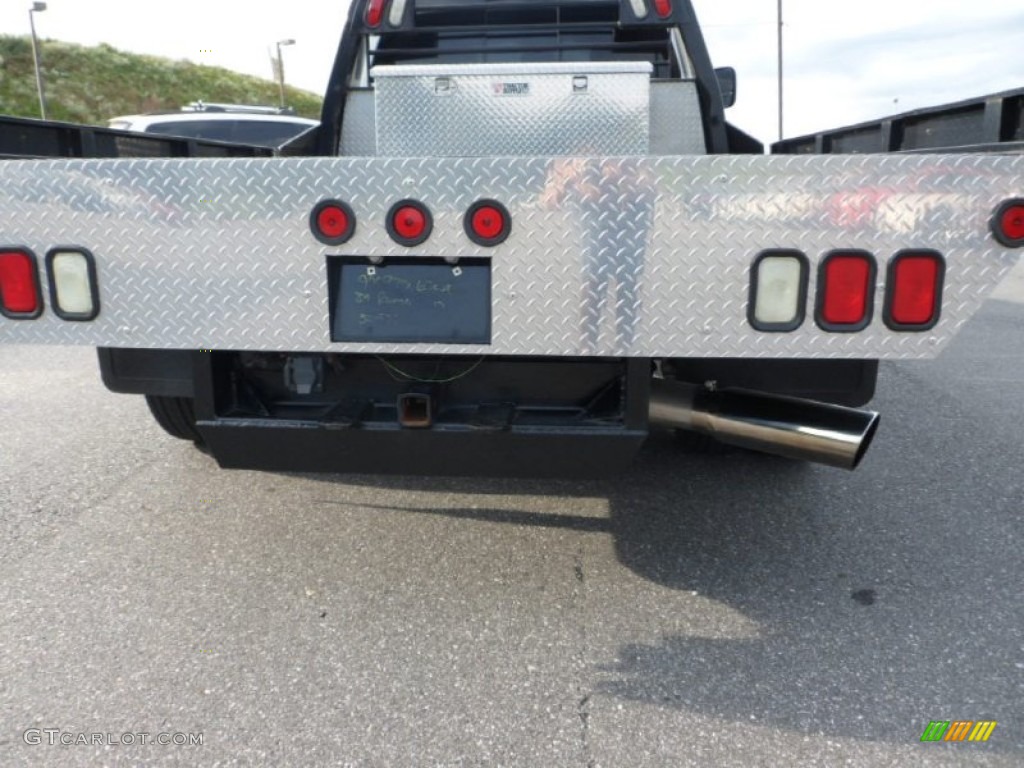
867,589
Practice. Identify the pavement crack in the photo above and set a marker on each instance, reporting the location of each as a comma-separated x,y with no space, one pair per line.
582,686
583,710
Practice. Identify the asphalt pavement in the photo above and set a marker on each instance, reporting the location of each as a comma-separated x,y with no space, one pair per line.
704,611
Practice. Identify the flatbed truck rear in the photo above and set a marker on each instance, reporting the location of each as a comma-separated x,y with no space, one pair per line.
523,236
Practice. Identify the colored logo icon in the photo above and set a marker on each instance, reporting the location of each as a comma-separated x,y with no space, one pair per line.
958,730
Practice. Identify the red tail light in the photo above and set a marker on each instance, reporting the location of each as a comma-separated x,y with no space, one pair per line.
663,8
1008,224
19,284
846,287
914,290
487,222
332,221
409,222
375,12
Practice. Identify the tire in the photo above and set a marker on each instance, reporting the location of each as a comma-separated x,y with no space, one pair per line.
176,415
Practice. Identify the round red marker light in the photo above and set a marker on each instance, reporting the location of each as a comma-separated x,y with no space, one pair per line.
332,222
487,222
1008,224
409,222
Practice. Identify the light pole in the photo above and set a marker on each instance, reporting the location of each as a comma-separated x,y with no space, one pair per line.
37,8
280,67
780,70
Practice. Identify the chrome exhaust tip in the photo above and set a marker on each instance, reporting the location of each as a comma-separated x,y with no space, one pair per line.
805,430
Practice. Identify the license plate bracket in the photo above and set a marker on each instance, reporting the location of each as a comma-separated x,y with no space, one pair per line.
410,300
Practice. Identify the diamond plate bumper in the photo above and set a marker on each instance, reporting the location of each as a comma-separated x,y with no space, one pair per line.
645,257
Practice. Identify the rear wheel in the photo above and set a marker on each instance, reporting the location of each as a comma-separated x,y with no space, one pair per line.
176,415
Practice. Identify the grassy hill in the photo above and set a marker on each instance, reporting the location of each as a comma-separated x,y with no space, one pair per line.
93,84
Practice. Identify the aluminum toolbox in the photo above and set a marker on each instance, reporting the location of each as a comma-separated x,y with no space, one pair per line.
478,110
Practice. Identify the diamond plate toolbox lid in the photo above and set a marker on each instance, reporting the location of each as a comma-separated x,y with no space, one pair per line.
479,110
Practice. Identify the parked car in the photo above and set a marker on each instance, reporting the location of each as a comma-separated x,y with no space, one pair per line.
238,123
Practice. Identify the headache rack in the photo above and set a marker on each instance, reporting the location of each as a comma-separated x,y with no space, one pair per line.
524,32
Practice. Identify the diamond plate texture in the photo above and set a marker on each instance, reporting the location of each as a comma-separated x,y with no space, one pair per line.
607,256
358,129
676,124
512,109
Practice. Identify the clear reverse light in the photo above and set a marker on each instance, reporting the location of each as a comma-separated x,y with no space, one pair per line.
779,284
639,8
396,12
73,290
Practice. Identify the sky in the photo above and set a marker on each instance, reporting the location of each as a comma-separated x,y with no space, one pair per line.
844,62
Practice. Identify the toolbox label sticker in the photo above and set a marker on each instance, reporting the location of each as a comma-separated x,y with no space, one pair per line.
511,89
